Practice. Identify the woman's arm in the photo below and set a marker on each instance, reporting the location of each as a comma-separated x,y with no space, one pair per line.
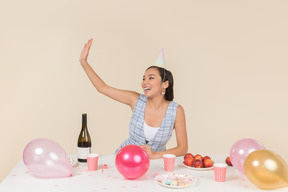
123,96
181,136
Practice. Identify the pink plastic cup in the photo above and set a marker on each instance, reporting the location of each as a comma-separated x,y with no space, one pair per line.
220,172
169,161
92,161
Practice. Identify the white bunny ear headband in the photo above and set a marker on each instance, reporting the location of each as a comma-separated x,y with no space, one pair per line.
160,62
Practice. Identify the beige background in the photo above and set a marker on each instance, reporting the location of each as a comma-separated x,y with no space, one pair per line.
229,60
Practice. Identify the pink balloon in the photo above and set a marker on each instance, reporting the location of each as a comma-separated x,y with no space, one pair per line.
45,158
132,161
241,149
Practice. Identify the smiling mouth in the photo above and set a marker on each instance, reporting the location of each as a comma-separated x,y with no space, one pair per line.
147,89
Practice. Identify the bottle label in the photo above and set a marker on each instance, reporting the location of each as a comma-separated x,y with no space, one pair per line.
83,152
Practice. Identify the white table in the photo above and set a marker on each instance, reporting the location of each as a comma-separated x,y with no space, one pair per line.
20,179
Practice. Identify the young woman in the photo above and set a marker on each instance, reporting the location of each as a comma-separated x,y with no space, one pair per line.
155,115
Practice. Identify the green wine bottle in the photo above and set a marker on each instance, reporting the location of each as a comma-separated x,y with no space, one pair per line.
84,141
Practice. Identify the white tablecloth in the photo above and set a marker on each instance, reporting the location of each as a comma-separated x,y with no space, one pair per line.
20,179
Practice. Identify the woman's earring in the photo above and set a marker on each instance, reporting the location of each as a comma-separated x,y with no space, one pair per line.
163,91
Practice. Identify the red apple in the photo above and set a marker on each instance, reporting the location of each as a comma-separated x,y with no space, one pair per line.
228,161
198,157
188,155
198,163
206,157
189,161
208,163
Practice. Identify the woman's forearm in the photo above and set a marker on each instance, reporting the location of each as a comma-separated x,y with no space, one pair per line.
94,78
178,151
98,83
123,96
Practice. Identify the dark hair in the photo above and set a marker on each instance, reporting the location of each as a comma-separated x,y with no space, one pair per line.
166,76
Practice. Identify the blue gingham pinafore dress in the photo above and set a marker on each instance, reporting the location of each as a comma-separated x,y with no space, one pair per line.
136,127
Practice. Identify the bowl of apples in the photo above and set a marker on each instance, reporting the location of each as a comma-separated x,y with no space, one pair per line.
198,162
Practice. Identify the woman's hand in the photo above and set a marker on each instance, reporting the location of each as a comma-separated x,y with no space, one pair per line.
151,154
85,52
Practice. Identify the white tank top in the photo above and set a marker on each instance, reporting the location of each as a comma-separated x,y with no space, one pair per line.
149,132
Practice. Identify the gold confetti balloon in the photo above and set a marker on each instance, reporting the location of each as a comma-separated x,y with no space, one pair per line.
266,169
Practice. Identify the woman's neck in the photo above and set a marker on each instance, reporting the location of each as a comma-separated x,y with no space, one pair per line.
156,102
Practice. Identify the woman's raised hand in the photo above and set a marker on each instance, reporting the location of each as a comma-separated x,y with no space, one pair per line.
85,52
127,97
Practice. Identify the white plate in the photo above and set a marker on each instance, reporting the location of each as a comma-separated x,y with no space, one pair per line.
198,169
165,175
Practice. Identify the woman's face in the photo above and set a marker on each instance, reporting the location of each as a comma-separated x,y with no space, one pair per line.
152,83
